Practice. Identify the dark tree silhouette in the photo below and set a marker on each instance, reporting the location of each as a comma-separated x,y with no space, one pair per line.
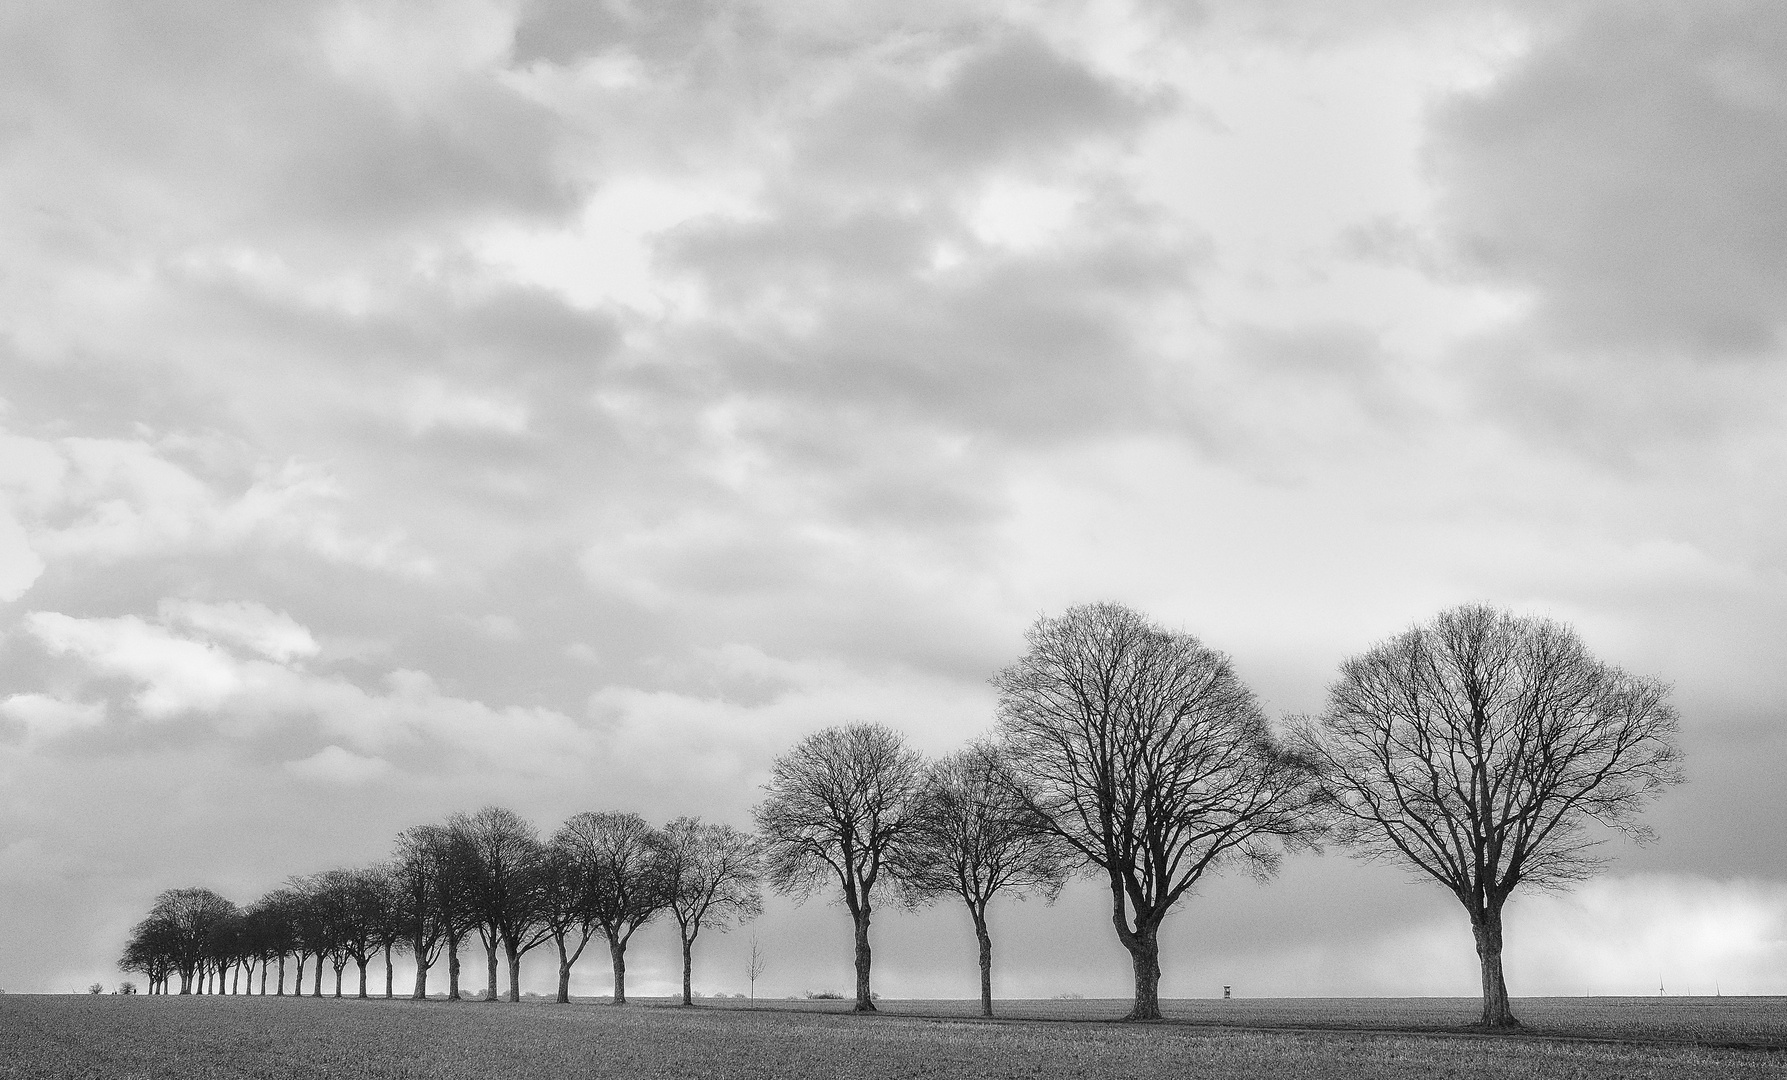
713,878
153,949
1479,749
356,904
502,879
419,866
974,839
185,920
567,902
1146,754
840,804
626,886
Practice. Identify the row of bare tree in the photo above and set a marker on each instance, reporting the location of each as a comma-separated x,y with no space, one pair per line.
488,874
1482,749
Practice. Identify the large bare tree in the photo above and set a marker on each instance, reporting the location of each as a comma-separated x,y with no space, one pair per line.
626,886
502,881
1145,753
418,869
1483,749
567,901
975,840
184,920
712,871
840,804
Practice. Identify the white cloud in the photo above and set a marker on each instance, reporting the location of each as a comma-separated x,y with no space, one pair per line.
274,635
430,405
46,717
116,500
19,564
174,675
334,765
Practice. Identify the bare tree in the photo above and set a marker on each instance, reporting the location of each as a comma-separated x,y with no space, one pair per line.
755,966
357,908
626,888
418,870
1145,753
1478,749
182,923
712,874
502,880
974,839
567,902
840,804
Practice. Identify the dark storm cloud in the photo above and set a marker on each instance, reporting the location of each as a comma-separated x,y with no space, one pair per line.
1629,171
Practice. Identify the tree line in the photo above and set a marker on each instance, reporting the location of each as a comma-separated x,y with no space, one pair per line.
1482,749
486,876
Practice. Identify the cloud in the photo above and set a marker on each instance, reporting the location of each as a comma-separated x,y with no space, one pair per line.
19,564
1627,172
46,717
175,675
334,765
83,499
274,635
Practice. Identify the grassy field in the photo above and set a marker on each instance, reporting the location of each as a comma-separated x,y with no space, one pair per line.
113,1037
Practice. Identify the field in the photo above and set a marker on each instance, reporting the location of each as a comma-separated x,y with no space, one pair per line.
131,1037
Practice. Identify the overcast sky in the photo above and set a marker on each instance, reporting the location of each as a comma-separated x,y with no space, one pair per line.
569,404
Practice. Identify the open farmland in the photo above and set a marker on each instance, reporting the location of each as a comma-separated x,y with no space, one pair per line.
43,1037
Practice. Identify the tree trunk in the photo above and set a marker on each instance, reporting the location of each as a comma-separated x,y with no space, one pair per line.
490,953
421,992
1487,929
317,989
390,975
297,978
617,952
688,966
362,962
1143,944
264,966
564,973
453,967
986,958
865,999
185,982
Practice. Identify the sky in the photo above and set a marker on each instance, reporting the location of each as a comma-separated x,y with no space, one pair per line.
570,404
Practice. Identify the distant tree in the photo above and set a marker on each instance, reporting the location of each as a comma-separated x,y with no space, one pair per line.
1145,753
974,839
420,867
503,886
755,966
313,929
1478,749
712,872
274,919
627,886
96,988
568,879
839,805
356,907
267,936
127,988
152,950
184,919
